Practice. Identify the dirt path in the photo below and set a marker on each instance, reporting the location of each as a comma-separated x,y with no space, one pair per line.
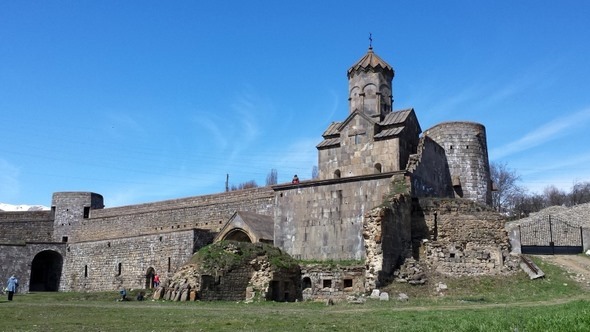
577,265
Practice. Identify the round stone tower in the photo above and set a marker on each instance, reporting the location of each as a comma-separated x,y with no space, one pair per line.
69,209
466,150
370,86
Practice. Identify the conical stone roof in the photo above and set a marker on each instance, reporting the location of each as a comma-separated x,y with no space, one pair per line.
370,61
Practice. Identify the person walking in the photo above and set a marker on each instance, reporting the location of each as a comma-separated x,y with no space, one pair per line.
11,286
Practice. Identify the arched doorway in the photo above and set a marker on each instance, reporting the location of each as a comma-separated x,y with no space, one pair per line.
46,272
149,278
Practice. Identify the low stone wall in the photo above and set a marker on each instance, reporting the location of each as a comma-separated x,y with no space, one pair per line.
465,238
111,264
335,283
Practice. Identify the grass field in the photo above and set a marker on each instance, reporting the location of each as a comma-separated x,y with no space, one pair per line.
555,303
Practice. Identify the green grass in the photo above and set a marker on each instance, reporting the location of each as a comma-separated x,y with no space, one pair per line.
470,304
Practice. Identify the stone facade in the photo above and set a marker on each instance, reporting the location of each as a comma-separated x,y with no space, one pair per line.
346,214
324,219
319,282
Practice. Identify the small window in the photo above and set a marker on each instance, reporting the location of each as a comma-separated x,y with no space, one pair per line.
86,212
327,283
452,255
85,271
169,264
347,283
377,168
64,239
119,269
337,174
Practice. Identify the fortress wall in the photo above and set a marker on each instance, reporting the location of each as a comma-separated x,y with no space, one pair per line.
324,219
465,238
32,226
94,266
204,212
430,170
16,259
466,149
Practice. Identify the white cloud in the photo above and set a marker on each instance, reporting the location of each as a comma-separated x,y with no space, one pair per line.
547,132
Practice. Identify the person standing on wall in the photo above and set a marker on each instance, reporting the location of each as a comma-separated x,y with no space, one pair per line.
11,286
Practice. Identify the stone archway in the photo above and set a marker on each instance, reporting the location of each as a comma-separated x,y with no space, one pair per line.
239,235
46,271
149,278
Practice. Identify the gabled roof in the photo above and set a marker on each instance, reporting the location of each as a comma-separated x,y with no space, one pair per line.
397,117
257,226
392,132
370,61
260,224
329,142
332,130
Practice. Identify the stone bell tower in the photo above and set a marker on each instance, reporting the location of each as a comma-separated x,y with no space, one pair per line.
370,86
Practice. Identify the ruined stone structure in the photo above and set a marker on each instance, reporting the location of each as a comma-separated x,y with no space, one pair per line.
346,214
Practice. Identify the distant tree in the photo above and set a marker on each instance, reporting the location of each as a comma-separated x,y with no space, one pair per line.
271,178
554,196
504,198
526,204
580,193
315,174
244,185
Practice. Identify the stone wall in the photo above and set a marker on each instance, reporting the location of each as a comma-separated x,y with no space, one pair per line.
31,226
123,262
388,239
323,220
464,237
467,155
208,212
336,283
16,259
429,170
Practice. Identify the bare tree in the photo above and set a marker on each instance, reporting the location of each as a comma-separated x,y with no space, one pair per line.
580,193
271,178
507,189
554,196
244,185
527,204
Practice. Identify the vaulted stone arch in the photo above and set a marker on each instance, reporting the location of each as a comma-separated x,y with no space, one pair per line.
237,234
247,227
46,271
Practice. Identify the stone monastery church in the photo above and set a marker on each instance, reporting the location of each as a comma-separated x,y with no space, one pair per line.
387,191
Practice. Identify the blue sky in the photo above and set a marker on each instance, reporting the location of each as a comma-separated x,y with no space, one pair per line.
150,100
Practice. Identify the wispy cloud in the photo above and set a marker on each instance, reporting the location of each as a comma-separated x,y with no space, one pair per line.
550,131
299,158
